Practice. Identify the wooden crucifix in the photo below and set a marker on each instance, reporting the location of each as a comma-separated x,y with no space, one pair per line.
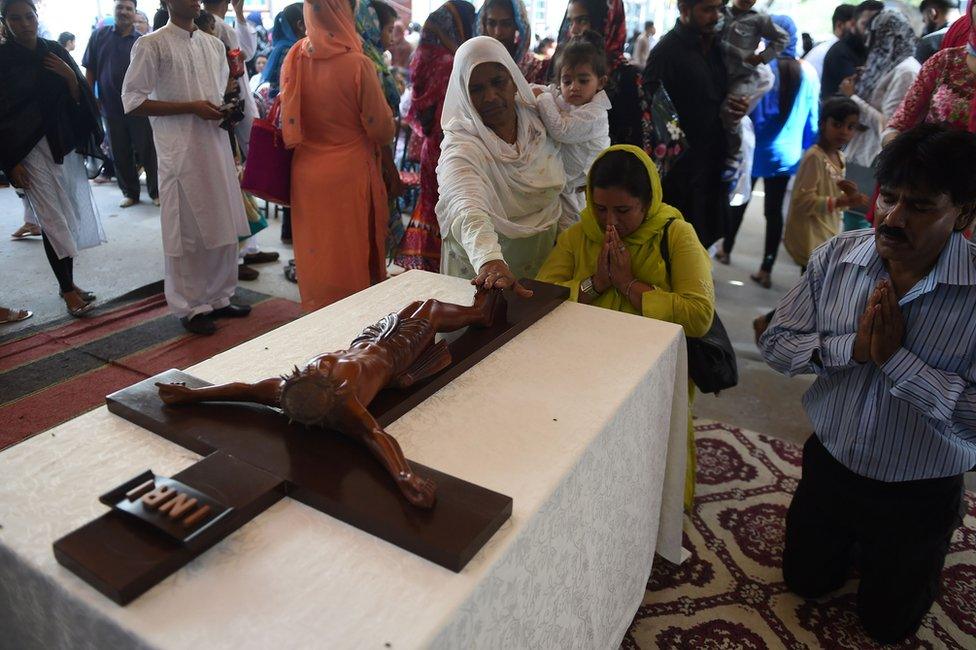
254,455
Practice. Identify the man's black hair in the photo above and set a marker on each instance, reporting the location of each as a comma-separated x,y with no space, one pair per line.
384,12
931,158
843,14
65,37
868,5
838,109
648,24
943,5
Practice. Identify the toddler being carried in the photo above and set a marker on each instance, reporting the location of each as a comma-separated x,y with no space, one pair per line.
574,110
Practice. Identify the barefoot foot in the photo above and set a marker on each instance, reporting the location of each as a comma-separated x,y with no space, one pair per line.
421,492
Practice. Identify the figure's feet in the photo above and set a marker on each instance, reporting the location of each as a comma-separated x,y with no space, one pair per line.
175,393
722,257
419,491
128,202
486,300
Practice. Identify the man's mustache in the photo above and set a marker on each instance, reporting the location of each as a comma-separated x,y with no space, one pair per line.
894,233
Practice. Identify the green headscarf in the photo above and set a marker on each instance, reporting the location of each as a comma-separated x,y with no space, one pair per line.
658,212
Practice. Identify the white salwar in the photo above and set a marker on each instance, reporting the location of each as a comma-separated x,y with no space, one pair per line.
584,132
60,201
497,201
202,211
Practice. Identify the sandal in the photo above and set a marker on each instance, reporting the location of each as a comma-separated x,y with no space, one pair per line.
87,296
15,316
25,231
80,310
764,280
722,257
290,272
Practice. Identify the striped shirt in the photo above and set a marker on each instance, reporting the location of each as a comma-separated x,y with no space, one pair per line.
912,418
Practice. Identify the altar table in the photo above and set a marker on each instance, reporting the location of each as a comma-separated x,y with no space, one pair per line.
581,419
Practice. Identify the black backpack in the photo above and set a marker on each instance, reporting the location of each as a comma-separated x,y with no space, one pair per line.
711,359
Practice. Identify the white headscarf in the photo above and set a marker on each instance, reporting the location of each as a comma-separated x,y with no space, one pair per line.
517,186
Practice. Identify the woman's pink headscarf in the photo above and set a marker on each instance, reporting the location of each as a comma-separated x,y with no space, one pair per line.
962,31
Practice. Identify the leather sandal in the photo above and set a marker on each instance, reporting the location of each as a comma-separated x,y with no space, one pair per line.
16,315
25,231
81,310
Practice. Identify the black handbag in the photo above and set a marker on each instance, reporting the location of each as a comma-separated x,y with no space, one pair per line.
711,359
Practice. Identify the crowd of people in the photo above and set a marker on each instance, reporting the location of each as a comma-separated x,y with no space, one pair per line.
516,163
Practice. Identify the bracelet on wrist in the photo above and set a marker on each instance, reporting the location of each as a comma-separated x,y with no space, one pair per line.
629,286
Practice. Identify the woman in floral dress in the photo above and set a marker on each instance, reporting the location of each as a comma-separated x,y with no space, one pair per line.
944,92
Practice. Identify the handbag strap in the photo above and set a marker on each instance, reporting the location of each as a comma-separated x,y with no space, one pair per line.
274,115
666,248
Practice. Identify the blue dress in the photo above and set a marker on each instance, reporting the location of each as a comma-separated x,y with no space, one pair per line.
781,140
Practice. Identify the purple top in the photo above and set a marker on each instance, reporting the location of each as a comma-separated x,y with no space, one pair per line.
107,56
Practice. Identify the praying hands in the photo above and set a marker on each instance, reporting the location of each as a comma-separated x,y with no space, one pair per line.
882,327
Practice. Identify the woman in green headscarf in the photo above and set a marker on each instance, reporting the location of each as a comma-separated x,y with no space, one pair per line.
612,257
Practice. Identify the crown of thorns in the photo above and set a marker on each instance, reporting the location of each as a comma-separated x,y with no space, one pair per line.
309,396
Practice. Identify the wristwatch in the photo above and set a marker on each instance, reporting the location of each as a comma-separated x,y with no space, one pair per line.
587,287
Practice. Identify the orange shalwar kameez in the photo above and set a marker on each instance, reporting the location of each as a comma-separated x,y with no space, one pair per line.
335,116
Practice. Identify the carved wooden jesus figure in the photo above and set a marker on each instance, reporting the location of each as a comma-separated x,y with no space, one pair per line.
333,390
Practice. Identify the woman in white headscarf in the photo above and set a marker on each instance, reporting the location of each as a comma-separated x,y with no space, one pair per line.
499,173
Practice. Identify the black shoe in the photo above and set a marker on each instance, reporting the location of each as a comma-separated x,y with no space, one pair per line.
202,324
246,273
231,311
262,257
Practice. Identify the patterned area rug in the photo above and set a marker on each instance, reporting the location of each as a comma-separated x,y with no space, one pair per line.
57,371
730,594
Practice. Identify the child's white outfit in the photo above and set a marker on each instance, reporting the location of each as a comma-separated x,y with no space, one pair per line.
583,133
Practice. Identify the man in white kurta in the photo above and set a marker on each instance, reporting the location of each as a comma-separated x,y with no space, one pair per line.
178,76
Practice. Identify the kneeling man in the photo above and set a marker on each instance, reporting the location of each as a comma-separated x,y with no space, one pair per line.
884,318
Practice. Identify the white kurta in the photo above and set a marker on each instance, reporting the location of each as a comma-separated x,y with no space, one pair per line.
243,39
202,210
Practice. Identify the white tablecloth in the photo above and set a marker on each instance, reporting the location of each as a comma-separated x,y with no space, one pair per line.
581,419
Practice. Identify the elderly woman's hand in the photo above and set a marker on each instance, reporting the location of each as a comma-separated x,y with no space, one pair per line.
496,275
620,272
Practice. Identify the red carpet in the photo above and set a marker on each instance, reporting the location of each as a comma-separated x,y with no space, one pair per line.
51,374
730,594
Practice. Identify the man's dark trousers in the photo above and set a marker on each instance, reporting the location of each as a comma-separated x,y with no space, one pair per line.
898,534
127,136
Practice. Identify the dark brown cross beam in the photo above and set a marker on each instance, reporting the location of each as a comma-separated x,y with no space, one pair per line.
253,457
